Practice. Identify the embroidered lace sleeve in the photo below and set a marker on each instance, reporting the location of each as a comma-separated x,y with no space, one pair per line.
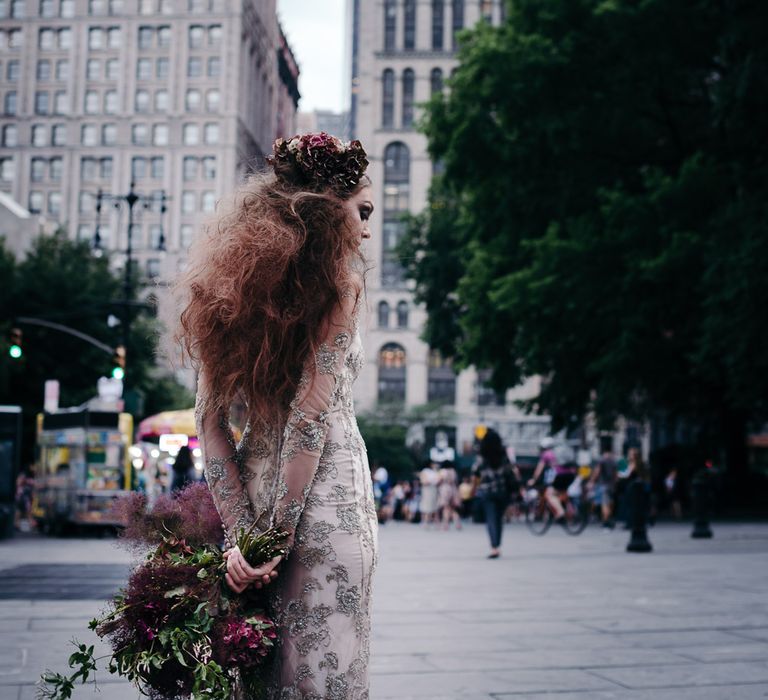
222,463
308,422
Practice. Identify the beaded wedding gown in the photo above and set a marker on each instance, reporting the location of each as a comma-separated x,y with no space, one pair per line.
314,478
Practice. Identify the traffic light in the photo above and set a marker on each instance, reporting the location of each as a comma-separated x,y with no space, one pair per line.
15,350
118,362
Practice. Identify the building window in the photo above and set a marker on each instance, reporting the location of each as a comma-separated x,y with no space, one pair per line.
111,105
209,202
61,102
214,35
209,168
138,167
62,69
114,37
486,10
146,7
39,135
105,168
139,134
191,134
91,102
402,314
115,7
95,38
109,135
194,67
211,133
88,168
397,177
47,9
383,314
146,35
196,36
214,67
144,68
112,69
164,37
46,39
212,100
388,98
7,169
43,70
88,135
160,134
441,379
409,25
10,103
37,170
157,167
189,168
485,395
409,82
192,100
153,268
67,8
59,135
436,81
457,19
197,6
93,69
36,201
96,7
17,9
162,68
64,38
10,135
187,202
161,101
185,236
141,101
13,71
392,373
390,24
57,169
42,100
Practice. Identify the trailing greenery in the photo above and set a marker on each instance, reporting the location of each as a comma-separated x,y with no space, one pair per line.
601,220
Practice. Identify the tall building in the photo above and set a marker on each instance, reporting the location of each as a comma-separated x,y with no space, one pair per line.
402,51
181,97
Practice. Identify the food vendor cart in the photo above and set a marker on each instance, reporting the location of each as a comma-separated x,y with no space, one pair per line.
83,466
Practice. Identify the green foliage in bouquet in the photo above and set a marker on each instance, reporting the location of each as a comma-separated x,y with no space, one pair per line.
177,630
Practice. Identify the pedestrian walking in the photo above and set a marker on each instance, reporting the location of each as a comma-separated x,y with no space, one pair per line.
494,479
448,496
182,469
603,483
428,507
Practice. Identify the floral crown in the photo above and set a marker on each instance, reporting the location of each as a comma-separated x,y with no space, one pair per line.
319,162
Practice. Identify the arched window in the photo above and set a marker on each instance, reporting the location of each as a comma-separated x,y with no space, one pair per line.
438,22
409,25
390,24
409,85
441,379
383,314
392,373
388,98
436,80
457,19
402,314
397,182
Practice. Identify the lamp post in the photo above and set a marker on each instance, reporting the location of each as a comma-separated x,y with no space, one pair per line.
131,199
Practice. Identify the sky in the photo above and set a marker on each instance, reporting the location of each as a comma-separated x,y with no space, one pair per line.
316,33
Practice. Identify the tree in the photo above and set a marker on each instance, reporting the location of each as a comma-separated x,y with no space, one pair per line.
608,162
61,281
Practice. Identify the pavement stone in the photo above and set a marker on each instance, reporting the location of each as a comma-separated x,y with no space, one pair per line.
556,618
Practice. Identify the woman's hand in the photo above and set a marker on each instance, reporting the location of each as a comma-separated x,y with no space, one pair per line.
240,574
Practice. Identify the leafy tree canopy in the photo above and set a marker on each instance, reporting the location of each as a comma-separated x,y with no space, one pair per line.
601,220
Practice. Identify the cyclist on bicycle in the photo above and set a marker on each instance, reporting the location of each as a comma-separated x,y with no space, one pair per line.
554,476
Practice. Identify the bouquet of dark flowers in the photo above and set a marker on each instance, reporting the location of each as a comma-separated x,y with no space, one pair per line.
177,630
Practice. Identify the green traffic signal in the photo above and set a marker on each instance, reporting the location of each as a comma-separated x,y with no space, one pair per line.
15,352
118,373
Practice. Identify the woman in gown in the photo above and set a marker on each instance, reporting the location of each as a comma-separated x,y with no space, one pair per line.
271,319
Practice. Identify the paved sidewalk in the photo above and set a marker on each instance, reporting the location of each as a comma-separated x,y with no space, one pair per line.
557,617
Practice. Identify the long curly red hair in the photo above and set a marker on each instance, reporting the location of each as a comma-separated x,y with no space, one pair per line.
261,283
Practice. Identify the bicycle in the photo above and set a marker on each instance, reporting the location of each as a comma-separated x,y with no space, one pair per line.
539,516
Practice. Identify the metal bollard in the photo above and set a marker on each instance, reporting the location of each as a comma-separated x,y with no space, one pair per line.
638,502
701,497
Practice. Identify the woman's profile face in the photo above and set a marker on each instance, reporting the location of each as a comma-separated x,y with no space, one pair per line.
359,208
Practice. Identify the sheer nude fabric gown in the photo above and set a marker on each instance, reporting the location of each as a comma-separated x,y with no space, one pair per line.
314,477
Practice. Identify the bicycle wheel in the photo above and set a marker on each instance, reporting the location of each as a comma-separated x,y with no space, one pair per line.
576,516
538,517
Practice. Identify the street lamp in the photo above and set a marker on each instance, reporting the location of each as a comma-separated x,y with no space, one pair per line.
131,199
